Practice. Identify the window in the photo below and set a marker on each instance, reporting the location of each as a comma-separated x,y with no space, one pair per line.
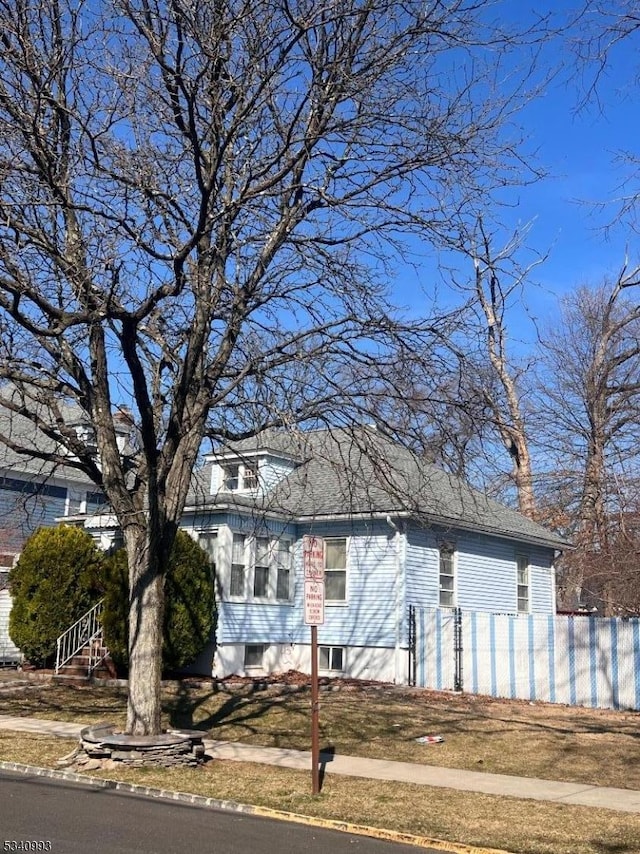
335,570
331,658
447,595
238,566
96,501
231,478
522,562
238,477
283,569
208,542
253,654
261,568
249,477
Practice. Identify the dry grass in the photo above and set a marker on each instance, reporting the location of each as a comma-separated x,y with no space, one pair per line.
525,827
535,740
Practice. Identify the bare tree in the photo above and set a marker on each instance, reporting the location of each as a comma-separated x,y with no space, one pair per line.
604,38
591,397
493,374
194,198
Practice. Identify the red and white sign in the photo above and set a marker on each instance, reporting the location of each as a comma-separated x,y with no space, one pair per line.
314,603
313,562
313,558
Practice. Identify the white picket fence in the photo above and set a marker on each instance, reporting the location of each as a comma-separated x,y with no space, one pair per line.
580,661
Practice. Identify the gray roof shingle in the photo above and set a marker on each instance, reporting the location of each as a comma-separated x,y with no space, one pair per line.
361,473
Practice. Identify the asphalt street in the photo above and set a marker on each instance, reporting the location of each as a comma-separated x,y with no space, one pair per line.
75,819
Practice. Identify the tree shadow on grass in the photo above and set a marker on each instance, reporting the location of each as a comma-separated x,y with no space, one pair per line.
245,710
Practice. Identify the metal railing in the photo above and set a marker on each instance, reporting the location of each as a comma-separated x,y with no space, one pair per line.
83,633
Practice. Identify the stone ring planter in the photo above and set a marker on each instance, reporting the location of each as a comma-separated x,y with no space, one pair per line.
102,746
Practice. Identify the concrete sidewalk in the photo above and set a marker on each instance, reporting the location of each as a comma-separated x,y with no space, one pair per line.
578,794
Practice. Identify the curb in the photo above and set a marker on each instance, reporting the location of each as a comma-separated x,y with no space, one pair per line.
248,809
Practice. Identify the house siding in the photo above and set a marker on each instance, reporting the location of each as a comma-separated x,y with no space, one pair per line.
25,506
485,567
421,567
486,573
240,622
272,471
246,621
368,616
542,581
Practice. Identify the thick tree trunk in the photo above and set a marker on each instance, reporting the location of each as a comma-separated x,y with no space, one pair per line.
146,607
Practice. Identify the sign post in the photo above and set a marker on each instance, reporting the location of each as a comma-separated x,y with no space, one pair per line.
313,562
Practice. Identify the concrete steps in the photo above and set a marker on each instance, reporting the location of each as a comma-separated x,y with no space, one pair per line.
76,670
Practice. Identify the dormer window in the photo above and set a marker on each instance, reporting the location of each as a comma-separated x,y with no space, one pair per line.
231,478
250,477
240,477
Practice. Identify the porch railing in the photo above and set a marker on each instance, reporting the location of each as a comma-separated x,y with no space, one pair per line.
82,634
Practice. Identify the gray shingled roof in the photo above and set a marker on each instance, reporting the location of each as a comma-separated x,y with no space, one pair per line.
18,430
355,473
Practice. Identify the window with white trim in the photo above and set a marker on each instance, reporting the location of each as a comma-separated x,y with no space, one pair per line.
447,580
249,476
331,658
237,580
335,569
261,569
522,563
231,477
254,654
283,569
240,477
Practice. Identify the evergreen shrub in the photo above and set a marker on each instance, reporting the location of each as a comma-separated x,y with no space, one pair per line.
55,581
189,609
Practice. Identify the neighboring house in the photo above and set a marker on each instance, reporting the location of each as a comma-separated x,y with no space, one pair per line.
33,493
397,532
9,652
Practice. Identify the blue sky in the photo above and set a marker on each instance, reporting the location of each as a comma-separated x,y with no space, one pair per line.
577,144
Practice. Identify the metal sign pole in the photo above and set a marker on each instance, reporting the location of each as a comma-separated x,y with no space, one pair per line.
315,708
313,563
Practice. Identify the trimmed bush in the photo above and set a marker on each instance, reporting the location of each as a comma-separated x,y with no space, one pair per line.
53,584
189,610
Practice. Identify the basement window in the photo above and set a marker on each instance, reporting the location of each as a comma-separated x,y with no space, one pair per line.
254,654
331,658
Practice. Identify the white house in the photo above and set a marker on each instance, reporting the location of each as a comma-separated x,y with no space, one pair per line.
397,532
